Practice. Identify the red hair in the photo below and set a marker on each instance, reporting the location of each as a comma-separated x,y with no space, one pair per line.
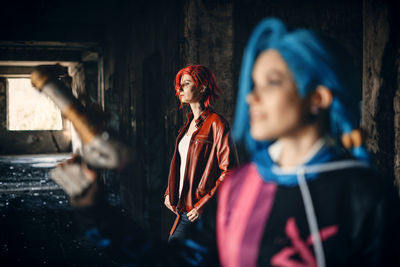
202,76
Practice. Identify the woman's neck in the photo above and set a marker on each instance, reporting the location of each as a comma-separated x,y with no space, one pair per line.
197,109
296,148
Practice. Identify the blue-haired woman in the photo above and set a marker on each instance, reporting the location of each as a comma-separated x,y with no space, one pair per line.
308,197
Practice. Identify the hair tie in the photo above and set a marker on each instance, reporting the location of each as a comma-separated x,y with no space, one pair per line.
352,139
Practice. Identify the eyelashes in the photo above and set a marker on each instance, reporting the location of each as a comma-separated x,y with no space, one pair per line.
185,84
274,82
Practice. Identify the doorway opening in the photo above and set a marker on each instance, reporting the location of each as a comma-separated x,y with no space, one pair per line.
28,109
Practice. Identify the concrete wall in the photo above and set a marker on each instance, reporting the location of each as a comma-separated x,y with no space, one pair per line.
208,40
381,92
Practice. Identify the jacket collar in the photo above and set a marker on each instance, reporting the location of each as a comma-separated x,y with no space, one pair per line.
201,118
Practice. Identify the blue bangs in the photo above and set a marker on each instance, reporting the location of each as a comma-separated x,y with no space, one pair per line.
268,31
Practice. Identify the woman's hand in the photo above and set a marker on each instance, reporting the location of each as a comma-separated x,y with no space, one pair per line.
193,215
168,204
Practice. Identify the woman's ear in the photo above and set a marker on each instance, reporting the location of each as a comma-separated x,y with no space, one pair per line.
203,89
320,99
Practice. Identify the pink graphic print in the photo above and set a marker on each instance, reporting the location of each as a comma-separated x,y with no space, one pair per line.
300,247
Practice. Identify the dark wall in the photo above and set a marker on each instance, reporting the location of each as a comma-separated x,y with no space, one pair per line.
142,56
47,20
208,40
381,77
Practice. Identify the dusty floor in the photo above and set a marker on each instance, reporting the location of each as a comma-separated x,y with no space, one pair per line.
37,222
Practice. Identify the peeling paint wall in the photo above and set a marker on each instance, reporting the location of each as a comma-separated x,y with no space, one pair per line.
381,92
208,40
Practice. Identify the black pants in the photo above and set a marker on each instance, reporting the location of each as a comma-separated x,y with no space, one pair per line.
185,228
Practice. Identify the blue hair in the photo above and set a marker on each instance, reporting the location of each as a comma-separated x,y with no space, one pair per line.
313,60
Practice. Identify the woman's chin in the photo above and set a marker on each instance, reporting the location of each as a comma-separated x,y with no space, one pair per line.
261,136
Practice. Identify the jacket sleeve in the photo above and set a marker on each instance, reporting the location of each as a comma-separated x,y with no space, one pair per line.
227,160
166,191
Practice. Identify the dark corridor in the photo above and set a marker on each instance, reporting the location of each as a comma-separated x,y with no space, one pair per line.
121,57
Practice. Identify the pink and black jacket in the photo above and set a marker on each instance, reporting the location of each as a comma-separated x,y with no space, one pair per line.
331,211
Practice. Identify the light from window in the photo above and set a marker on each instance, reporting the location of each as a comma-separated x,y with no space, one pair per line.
29,109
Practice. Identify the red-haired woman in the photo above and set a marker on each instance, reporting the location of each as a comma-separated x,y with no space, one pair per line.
204,153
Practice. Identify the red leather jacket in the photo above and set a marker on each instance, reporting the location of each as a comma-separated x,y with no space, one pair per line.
211,156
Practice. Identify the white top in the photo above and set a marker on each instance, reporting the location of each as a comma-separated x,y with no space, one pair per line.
275,150
183,148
